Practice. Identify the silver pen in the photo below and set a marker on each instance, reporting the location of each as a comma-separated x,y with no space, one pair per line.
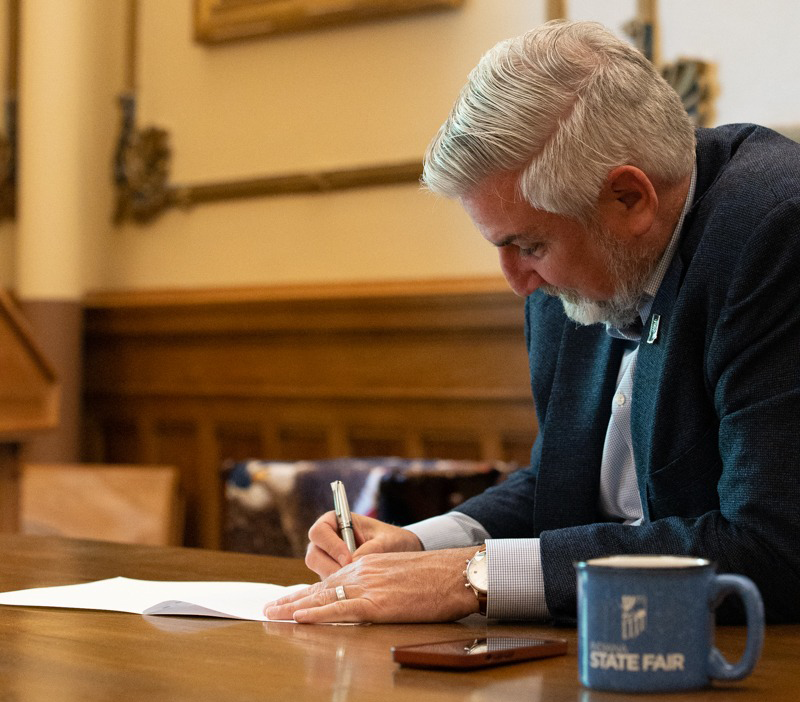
343,515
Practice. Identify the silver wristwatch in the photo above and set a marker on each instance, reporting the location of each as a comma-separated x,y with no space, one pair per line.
477,575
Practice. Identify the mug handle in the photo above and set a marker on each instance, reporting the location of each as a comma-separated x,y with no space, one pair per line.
718,667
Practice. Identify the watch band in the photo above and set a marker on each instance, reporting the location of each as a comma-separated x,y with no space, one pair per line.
482,602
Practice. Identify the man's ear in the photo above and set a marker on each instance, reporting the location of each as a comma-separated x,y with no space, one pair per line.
628,202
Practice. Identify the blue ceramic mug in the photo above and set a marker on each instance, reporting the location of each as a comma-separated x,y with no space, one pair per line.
646,623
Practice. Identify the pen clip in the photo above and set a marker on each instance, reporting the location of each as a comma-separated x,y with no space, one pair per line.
340,505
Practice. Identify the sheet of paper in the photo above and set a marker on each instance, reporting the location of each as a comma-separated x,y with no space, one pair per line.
233,600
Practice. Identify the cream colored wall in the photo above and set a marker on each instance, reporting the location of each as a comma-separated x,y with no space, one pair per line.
67,126
70,138
349,96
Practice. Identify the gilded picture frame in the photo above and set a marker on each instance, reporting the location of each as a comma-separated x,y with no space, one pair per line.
218,21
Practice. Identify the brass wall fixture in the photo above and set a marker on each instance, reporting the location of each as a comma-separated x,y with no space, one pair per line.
141,167
8,141
142,157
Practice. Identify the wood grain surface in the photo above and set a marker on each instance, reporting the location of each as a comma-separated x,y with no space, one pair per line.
57,654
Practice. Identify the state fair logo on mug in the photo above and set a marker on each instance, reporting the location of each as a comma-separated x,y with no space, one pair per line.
634,616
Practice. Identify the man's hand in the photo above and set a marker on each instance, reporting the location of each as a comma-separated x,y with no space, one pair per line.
393,587
327,552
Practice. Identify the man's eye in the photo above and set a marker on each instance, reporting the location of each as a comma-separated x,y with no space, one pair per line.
536,250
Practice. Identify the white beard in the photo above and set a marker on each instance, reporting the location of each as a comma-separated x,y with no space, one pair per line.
630,271
618,312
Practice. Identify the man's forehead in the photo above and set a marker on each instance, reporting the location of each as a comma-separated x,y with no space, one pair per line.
494,195
496,204
502,186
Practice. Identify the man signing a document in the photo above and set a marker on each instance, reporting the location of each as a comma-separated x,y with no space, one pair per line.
661,270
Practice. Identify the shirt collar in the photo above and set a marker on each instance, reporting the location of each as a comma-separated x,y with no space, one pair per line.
657,276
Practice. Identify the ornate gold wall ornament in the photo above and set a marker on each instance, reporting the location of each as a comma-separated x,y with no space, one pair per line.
142,158
141,169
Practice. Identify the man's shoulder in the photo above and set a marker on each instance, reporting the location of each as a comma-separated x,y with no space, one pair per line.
747,162
745,175
731,137
742,229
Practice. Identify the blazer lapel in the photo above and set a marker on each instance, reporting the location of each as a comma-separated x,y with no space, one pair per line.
575,426
647,379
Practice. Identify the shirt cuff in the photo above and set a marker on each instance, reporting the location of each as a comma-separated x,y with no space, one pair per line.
451,530
516,581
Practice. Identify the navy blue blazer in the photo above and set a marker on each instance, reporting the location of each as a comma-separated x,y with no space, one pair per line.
715,417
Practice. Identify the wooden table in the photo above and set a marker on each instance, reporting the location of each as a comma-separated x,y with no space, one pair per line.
57,655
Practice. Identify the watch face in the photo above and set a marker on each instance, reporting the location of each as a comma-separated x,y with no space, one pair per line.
478,572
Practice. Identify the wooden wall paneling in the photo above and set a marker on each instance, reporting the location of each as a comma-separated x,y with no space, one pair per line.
414,445
516,446
9,486
176,443
239,441
453,444
269,435
366,441
428,370
338,439
298,443
121,440
147,428
491,446
208,478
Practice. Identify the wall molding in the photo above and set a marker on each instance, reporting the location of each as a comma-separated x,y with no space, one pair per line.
186,196
359,289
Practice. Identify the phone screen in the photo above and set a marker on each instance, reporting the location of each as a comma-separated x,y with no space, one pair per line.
478,651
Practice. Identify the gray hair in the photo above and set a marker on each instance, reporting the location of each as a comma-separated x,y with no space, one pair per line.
564,104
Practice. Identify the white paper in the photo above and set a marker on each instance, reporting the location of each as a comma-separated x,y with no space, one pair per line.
232,600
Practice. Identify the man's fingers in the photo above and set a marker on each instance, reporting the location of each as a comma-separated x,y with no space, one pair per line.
336,603
324,535
347,611
372,546
315,604
320,562
293,597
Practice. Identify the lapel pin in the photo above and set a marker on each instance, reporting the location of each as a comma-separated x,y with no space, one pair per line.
655,320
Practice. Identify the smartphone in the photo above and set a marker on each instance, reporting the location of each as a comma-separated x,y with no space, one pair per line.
481,652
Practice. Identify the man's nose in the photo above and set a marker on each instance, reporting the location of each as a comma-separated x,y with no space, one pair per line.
520,273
